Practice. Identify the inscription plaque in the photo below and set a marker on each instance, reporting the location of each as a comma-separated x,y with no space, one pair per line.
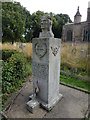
40,70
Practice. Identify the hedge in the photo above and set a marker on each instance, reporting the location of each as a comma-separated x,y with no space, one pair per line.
13,70
6,54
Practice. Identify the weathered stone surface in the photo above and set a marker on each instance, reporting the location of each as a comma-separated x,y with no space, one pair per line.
46,67
46,70
46,26
77,31
32,105
83,52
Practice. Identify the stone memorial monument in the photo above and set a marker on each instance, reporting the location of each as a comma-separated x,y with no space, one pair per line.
45,68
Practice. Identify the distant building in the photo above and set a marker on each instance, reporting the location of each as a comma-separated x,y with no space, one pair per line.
88,20
77,31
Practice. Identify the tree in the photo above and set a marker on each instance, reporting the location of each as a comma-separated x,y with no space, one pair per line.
13,22
18,25
58,21
36,18
28,33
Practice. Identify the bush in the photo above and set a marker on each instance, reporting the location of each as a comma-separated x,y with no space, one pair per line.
19,62
6,54
13,72
28,67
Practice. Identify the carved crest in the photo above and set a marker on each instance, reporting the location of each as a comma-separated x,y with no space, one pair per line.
54,50
40,49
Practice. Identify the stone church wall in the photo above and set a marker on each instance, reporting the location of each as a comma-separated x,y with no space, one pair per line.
77,32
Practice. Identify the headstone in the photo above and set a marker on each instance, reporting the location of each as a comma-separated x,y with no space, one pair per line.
83,52
22,46
45,68
14,44
0,44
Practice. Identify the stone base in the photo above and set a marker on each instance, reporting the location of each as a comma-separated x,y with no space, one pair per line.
34,103
49,106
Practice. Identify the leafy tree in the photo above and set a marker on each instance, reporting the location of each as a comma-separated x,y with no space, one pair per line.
58,21
28,33
19,25
13,22
36,18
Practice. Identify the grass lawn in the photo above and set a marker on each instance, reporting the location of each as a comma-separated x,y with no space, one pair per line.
74,82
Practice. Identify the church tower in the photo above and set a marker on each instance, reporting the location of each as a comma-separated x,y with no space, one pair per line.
77,17
88,21
88,12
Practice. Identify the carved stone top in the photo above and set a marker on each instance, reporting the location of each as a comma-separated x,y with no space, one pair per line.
46,26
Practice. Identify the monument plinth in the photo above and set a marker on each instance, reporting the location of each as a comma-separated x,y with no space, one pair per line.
45,68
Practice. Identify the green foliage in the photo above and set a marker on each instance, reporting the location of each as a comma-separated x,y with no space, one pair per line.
28,33
28,68
18,25
15,69
36,18
80,69
75,82
13,22
19,62
13,72
6,54
58,21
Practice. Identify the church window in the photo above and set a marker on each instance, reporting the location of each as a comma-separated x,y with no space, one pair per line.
69,35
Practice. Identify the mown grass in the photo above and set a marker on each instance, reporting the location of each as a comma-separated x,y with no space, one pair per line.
74,82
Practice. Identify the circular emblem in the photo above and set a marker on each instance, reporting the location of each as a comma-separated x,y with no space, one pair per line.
40,49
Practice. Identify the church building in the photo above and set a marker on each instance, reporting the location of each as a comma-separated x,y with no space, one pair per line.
77,31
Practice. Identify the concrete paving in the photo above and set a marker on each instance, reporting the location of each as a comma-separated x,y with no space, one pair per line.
73,104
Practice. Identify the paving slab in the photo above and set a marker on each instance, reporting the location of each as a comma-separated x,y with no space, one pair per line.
73,104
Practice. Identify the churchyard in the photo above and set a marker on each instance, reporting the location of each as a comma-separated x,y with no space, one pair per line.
42,75
74,58
73,62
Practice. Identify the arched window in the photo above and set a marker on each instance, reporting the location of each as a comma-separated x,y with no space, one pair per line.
85,35
69,35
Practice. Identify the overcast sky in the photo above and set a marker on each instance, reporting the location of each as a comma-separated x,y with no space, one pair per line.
57,6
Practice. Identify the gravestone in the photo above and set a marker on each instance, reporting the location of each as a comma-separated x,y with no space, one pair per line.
45,68
83,53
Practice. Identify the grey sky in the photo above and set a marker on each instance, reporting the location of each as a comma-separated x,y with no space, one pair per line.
57,6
